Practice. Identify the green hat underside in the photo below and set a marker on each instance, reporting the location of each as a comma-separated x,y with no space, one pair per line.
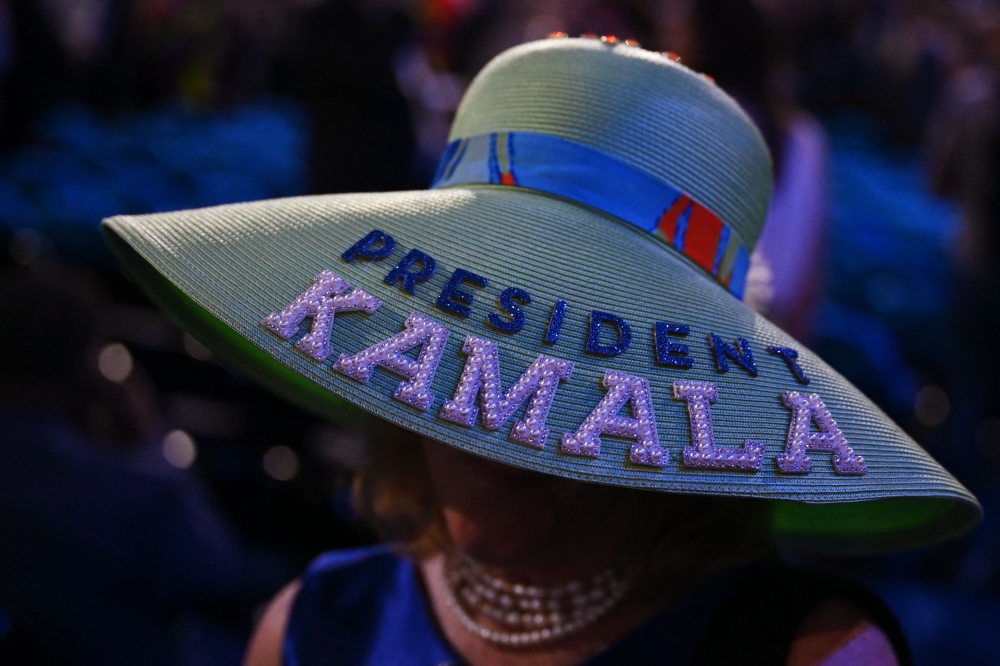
221,271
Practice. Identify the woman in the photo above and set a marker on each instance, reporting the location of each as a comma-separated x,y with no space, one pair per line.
607,198
530,528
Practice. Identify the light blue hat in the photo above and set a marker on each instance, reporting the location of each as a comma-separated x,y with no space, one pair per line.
565,299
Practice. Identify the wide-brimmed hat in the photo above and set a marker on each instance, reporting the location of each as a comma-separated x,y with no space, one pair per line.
565,299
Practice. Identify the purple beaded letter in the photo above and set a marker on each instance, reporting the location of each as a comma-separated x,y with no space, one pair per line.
808,407
389,354
705,454
320,301
604,420
481,377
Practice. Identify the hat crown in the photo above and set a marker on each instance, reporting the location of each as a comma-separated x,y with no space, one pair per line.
636,106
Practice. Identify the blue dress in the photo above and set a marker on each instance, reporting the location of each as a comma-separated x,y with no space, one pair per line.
366,607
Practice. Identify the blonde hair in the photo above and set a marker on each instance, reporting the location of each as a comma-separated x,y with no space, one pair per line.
689,537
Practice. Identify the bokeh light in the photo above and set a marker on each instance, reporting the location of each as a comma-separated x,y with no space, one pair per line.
179,449
281,463
115,362
931,406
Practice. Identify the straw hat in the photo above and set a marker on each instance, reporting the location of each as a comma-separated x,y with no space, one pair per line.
565,299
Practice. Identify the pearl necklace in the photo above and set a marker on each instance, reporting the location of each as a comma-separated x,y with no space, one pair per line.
535,614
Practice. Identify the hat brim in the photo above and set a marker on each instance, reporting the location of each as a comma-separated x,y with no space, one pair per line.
221,271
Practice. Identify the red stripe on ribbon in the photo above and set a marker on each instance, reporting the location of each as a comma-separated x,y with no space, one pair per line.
668,223
701,240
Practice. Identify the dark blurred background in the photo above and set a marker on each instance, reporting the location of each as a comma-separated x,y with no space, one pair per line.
151,500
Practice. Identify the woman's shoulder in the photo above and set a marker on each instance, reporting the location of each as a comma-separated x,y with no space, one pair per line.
795,615
265,647
767,613
365,606
839,632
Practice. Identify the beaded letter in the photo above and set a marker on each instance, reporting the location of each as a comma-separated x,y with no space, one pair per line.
790,356
555,322
671,353
411,278
481,376
320,301
389,354
808,407
507,298
456,300
376,245
597,321
723,352
604,420
705,454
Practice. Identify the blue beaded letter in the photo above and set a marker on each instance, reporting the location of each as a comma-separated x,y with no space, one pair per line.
555,322
725,352
671,353
369,248
507,298
456,300
597,321
790,355
411,278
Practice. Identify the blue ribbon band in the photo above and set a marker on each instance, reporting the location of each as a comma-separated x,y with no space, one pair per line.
574,171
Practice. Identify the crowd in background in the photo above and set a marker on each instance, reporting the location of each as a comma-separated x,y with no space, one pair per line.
151,499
